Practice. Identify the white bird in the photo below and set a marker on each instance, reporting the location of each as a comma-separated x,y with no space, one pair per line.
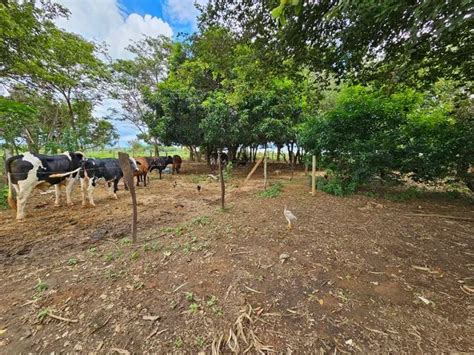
289,217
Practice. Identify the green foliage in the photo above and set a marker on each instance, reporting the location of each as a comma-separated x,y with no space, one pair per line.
3,197
335,186
274,190
41,286
368,134
405,195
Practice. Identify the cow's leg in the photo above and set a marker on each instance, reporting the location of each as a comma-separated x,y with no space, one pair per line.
160,173
144,179
69,186
115,186
57,190
23,192
90,191
138,180
83,191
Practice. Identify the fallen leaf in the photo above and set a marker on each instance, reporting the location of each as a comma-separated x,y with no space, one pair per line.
349,342
321,302
152,318
2,331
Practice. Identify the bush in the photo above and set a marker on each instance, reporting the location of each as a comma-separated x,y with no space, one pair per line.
366,133
336,186
274,190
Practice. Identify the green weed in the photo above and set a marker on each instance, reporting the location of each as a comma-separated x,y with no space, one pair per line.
41,286
274,190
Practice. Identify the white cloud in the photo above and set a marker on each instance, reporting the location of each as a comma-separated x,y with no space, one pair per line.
104,20
184,11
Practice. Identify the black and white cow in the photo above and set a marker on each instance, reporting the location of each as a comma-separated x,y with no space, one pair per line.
102,169
213,160
27,171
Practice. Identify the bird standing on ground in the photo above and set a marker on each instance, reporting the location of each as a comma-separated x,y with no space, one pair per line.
289,217
199,188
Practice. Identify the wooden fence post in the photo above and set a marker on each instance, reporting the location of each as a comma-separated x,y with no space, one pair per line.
313,177
265,171
221,177
124,162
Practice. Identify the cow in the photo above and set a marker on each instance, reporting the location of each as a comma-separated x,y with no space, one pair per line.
143,169
106,169
213,160
28,171
161,163
177,161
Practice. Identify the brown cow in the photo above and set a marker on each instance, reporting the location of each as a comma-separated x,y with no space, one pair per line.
177,161
146,163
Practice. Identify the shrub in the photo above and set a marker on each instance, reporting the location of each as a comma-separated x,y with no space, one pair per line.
274,190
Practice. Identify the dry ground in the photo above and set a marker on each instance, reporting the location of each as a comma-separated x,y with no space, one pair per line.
356,274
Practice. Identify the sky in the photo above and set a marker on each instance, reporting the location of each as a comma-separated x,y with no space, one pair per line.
117,22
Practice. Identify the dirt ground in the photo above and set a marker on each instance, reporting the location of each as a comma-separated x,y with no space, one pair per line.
355,274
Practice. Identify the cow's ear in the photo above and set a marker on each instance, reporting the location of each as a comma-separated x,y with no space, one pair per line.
138,163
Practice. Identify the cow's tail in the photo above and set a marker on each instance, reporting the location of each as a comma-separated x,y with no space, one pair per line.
11,200
60,175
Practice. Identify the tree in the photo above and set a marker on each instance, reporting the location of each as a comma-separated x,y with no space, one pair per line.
133,79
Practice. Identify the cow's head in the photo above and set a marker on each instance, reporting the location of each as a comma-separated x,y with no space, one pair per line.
134,164
88,168
76,158
169,160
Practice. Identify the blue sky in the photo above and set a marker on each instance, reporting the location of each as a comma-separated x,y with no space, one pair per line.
118,22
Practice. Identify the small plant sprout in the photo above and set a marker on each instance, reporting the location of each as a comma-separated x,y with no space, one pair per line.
135,255
189,296
212,301
178,343
42,314
194,307
125,241
72,261
41,286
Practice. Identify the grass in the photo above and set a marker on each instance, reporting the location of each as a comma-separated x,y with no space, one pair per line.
274,190
3,197
41,286
72,261
406,195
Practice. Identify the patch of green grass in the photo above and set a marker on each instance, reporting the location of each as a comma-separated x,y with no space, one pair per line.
370,194
3,197
138,285
42,314
406,195
178,343
212,301
125,241
72,261
196,179
111,256
200,341
177,231
114,275
189,296
92,251
201,221
274,190
194,307
135,255
41,286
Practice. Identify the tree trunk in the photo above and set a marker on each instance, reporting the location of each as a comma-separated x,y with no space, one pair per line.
278,152
191,153
156,149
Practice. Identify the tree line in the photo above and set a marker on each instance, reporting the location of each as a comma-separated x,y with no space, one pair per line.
375,90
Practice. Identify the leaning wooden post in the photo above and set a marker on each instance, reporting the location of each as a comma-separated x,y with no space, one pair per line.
124,162
252,171
221,177
265,171
313,177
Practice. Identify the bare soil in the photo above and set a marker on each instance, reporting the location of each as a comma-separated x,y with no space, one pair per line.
355,274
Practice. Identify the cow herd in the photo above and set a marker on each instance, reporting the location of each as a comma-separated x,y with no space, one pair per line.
28,171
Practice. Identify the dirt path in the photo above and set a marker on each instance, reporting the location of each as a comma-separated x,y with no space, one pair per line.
356,274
